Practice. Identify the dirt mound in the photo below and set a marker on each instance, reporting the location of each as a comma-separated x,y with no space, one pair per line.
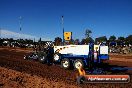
54,75
14,79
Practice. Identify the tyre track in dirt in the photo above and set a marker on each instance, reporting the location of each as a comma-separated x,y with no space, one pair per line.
14,60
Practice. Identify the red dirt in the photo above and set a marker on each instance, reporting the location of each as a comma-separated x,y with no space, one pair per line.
15,79
51,76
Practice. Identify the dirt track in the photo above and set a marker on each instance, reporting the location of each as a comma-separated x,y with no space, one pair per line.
12,59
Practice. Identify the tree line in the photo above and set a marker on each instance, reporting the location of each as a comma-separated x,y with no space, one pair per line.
103,39
88,39
23,41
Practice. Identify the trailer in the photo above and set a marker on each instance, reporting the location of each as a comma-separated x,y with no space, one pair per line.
80,55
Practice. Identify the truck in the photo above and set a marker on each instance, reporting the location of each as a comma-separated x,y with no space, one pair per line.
80,55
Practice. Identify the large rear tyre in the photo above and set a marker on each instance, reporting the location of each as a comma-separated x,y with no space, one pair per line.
65,63
78,64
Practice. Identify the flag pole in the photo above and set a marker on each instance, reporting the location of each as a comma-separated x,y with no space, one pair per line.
20,26
20,23
63,28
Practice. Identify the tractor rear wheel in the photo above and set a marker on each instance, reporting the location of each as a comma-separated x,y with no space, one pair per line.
78,64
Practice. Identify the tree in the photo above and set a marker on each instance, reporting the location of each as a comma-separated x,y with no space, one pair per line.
121,39
97,40
21,41
71,41
58,41
1,41
83,41
87,40
101,39
11,40
28,41
77,41
129,39
87,33
112,38
39,41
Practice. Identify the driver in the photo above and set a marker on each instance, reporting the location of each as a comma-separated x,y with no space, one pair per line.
50,54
